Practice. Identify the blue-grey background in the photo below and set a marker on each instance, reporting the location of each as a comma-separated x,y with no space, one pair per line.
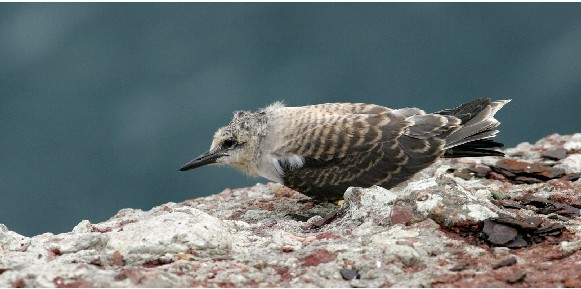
100,104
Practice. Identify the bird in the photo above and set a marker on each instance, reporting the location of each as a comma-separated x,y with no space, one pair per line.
322,150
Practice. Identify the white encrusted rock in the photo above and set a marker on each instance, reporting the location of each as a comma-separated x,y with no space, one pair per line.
574,143
12,241
178,231
571,164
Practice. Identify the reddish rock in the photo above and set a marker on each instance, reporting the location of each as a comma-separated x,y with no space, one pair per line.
319,256
572,282
512,168
574,201
327,235
287,249
497,176
283,272
463,173
402,215
19,283
516,277
117,259
264,205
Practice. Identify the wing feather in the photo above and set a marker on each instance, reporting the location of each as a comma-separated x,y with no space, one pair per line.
340,148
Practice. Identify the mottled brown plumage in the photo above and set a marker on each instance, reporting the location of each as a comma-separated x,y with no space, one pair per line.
321,150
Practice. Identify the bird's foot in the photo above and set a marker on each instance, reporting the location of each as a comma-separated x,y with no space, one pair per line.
330,217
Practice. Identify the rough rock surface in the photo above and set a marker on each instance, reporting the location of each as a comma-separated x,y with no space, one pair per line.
483,222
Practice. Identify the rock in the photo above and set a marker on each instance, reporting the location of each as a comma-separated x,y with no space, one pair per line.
557,154
499,234
571,164
516,277
506,262
514,169
180,230
349,274
11,241
571,246
573,142
457,218
463,173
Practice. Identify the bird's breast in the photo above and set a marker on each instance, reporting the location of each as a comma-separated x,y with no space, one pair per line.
267,168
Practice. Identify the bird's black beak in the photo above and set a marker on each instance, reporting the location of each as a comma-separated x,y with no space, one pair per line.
206,158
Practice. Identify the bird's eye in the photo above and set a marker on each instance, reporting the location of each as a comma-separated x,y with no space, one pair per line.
229,143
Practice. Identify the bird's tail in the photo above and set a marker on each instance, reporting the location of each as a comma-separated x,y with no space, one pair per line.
477,127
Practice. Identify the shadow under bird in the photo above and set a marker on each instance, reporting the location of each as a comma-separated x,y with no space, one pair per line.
321,150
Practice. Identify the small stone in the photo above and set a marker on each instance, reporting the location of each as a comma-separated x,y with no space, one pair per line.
506,262
184,256
349,274
527,223
463,173
401,215
19,283
527,180
459,267
499,196
556,154
551,229
480,170
287,249
571,177
498,234
570,246
518,242
552,172
117,259
512,168
546,206
497,176
516,277
511,204
318,256
572,283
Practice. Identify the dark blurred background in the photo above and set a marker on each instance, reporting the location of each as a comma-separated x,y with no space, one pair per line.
100,104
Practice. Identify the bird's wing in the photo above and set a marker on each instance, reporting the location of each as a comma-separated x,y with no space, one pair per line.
342,150
347,108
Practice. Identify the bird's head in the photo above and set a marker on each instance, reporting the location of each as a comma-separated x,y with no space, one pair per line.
235,145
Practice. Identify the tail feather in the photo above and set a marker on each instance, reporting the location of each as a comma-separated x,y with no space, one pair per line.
477,126
469,137
478,148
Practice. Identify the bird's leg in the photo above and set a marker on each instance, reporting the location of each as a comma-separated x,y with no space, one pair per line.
327,219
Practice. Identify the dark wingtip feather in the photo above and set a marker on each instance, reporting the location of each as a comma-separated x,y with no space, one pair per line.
479,148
